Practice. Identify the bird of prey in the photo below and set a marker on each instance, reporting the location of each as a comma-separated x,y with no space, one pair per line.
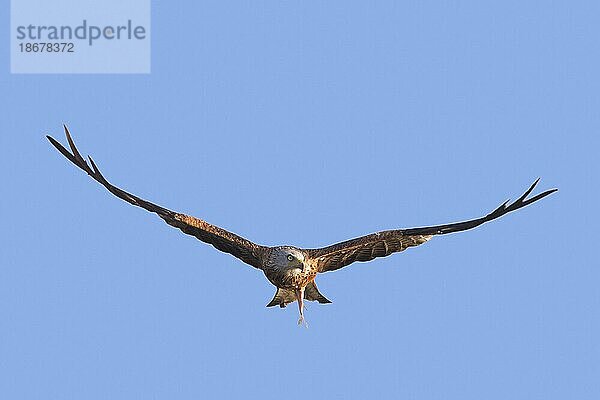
291,269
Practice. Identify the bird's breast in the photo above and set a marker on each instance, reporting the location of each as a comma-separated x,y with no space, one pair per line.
290,278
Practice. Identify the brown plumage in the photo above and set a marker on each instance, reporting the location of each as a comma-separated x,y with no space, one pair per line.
290,269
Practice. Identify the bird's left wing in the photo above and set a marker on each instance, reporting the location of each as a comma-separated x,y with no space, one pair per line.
247,251
382,244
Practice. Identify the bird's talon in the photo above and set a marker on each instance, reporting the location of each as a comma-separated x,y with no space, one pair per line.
302,322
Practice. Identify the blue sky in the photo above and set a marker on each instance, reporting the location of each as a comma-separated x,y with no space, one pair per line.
307,124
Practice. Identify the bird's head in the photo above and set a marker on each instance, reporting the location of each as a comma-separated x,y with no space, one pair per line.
288,257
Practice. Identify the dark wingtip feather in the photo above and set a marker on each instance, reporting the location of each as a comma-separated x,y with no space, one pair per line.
94,165
98,175
66,129
61,149
500,209
72,145
53,141
538,197
533,185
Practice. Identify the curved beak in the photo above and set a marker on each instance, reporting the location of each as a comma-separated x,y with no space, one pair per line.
297,264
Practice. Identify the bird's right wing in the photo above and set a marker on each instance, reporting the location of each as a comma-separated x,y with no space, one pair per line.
223,240
382,244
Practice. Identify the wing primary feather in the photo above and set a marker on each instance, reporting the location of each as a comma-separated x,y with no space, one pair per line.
72,146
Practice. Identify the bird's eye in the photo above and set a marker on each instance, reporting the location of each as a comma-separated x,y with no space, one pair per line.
290,257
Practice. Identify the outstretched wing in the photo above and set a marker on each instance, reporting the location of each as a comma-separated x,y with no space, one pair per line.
382,244
221,239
